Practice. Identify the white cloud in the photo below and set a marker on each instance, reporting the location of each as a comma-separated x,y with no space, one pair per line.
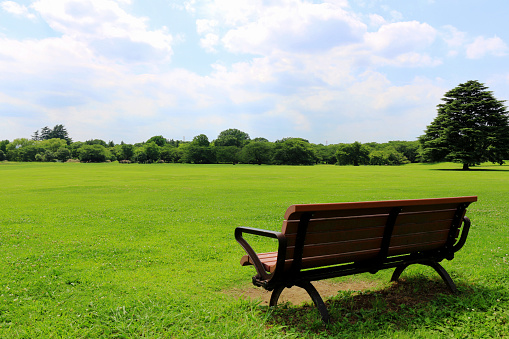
402,44
317,71
454,38
401,37
16,9
483,46
107,28
209,42
293,26
376,20
204,26
232,13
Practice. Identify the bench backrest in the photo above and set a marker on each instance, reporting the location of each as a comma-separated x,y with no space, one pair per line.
332,234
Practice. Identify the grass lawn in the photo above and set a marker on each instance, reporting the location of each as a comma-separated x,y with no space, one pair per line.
122,251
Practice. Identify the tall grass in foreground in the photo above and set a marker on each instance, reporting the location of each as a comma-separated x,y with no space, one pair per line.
109,250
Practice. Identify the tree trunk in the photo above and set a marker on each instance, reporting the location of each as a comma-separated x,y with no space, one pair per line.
465,167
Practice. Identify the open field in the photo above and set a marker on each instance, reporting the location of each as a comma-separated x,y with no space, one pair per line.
109,250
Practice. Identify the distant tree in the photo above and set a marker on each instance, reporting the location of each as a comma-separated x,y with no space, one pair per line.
2,155
387,156
36,136
74,148
326,154
294,151
259,139
280,141
19,150
174,143
3,145
257,152
28,153
158,139
471,127
227,154
232,137
140,155
201,140
169,153
45,133
60,132
53,144
353,154
197,154
47,155
63,154
152,151
93,153
127,152
410,149
96,142
39,157
198,151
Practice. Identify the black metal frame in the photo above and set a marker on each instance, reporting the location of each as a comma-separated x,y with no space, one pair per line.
279,280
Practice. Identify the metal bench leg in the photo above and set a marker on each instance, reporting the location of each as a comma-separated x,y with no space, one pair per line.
437,267
275,295
397,272
317,300
444,275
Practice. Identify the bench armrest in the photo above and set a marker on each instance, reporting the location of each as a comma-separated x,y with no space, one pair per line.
252,254
464,234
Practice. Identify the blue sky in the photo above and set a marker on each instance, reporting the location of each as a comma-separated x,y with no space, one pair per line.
327,71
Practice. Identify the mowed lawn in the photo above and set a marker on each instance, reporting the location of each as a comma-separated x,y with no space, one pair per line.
111,250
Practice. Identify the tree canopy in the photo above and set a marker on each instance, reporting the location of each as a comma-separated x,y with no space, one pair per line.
58,132
471,127
232,137
234,146
353,154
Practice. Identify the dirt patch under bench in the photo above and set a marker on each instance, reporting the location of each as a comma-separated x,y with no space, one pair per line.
297,295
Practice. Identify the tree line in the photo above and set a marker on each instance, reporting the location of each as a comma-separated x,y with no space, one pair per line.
231,146
471,127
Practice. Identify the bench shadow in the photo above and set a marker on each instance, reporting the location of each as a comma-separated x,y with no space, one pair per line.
406,304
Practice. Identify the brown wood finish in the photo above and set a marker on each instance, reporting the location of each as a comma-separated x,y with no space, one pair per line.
355,235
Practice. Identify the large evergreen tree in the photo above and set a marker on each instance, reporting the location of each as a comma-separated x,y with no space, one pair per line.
471,127
58,132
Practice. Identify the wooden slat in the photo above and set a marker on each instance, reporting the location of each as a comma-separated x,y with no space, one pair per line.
337,247
333,237
336,224
419,238
326,214
424,208
399,250
425,216
375,205
425,227
268,260
328,260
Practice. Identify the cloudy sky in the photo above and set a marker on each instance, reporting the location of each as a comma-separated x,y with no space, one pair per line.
327,71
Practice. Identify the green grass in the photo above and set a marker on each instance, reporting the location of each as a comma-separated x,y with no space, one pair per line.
109,250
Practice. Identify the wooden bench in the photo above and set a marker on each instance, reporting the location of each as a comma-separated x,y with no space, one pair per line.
320,241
